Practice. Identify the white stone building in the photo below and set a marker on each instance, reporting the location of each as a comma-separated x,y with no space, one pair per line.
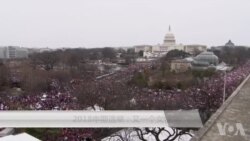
195,49
169,43
144,48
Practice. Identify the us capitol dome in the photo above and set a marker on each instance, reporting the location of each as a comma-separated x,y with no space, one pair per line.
169,39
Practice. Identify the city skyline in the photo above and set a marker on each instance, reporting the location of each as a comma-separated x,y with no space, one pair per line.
117,23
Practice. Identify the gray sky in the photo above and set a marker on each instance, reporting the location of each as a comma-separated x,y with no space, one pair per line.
98,23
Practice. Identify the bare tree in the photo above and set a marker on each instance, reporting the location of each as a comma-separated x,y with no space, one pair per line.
4,74
122,135
86,94
172,133
48,59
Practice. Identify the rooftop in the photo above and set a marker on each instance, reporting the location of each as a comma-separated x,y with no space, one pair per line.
231,122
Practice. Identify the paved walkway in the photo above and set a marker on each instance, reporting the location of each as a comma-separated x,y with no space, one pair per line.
232,121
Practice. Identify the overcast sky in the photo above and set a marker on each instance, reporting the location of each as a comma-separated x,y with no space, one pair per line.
98,23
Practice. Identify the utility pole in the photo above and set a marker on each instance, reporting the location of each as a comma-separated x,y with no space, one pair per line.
224,89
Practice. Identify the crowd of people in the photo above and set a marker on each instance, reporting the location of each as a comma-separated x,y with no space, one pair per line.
208,94
113,87
55,99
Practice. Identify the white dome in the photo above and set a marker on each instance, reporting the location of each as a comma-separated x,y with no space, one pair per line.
169,36
169,39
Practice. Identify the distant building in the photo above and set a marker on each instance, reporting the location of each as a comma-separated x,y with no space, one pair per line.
229,44
180,65
169,39
22,53
123,48
13,52
41,50
45,49
205,60
194,49
33,50
144,48
152,54
156,48
157,51
169,43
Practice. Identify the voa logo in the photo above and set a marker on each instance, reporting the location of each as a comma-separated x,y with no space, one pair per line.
231,129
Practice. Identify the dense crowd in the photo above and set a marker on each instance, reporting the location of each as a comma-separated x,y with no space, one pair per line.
208,94
55,99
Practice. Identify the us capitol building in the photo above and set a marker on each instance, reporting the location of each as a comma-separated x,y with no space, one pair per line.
169,43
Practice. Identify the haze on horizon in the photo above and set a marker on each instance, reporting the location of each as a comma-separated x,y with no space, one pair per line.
94,23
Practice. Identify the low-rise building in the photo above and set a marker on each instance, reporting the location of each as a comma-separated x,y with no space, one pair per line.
229,44
45,49
152,54
3,53
176,47
144,48
22,53
195,49
180,65
156,48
